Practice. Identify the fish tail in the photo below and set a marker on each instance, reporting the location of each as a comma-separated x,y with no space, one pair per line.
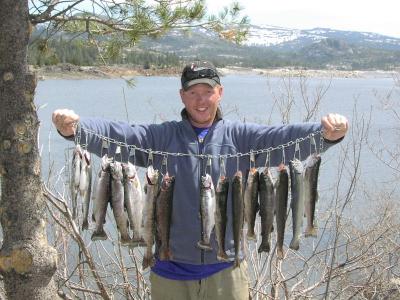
85,224
310,231
264,247
223,257
251,235
294,244
126,241
99,235
237,262
165,253
204,245
148,261
137,242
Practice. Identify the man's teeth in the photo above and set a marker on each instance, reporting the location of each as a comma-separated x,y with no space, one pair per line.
202,109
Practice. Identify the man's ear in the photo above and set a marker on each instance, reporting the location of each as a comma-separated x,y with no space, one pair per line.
221,92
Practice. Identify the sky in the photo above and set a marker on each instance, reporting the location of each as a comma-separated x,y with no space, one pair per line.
382,16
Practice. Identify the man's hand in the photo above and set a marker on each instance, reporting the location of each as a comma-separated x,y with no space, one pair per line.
334,126
65,121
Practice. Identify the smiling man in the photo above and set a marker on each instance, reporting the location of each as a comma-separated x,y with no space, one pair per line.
192,272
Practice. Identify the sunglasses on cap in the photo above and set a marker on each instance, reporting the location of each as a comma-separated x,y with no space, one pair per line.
197,73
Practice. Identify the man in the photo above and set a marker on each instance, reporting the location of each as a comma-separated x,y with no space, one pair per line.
193,273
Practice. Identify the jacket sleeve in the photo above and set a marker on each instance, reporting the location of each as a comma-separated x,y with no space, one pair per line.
301,139
95,134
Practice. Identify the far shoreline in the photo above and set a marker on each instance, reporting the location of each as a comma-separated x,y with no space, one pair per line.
69,71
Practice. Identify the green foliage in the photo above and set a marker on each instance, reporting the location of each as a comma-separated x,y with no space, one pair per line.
59,50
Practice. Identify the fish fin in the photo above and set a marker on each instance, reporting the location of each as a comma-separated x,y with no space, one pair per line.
279,253
99,235
310,232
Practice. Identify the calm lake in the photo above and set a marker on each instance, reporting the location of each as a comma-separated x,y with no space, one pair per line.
250,98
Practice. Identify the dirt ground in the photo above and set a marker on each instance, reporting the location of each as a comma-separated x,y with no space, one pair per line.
69,71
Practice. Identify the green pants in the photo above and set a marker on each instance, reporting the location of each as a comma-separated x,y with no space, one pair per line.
229,284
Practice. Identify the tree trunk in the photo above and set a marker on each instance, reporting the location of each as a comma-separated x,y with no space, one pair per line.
27,262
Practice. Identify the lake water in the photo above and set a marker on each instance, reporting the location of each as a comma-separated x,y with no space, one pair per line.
249,98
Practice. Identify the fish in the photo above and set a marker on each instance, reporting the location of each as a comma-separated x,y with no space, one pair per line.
163,216
237,213
117,202
87,169
134,201
207,211
281,199
267,199
151,190
84,173
101,198
75,178
297,203
251,202
221,198
311,171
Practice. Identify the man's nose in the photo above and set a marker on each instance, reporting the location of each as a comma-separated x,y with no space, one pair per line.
201,97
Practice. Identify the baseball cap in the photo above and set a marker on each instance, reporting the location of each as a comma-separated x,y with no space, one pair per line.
199,72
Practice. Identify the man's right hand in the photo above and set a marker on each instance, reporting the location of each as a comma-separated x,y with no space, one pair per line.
65,121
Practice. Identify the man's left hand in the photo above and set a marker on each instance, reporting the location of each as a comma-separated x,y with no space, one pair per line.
334,126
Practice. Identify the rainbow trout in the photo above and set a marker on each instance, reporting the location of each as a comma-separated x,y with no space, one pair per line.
75,178
102,197
207,211
134,201
237,213
221,197
251,202
117,202
163,216
267,198
311,192
151,190
281,198
297,203
86,173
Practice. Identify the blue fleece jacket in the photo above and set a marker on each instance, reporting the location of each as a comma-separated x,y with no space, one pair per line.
224,137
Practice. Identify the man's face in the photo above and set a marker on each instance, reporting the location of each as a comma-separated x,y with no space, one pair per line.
201,102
